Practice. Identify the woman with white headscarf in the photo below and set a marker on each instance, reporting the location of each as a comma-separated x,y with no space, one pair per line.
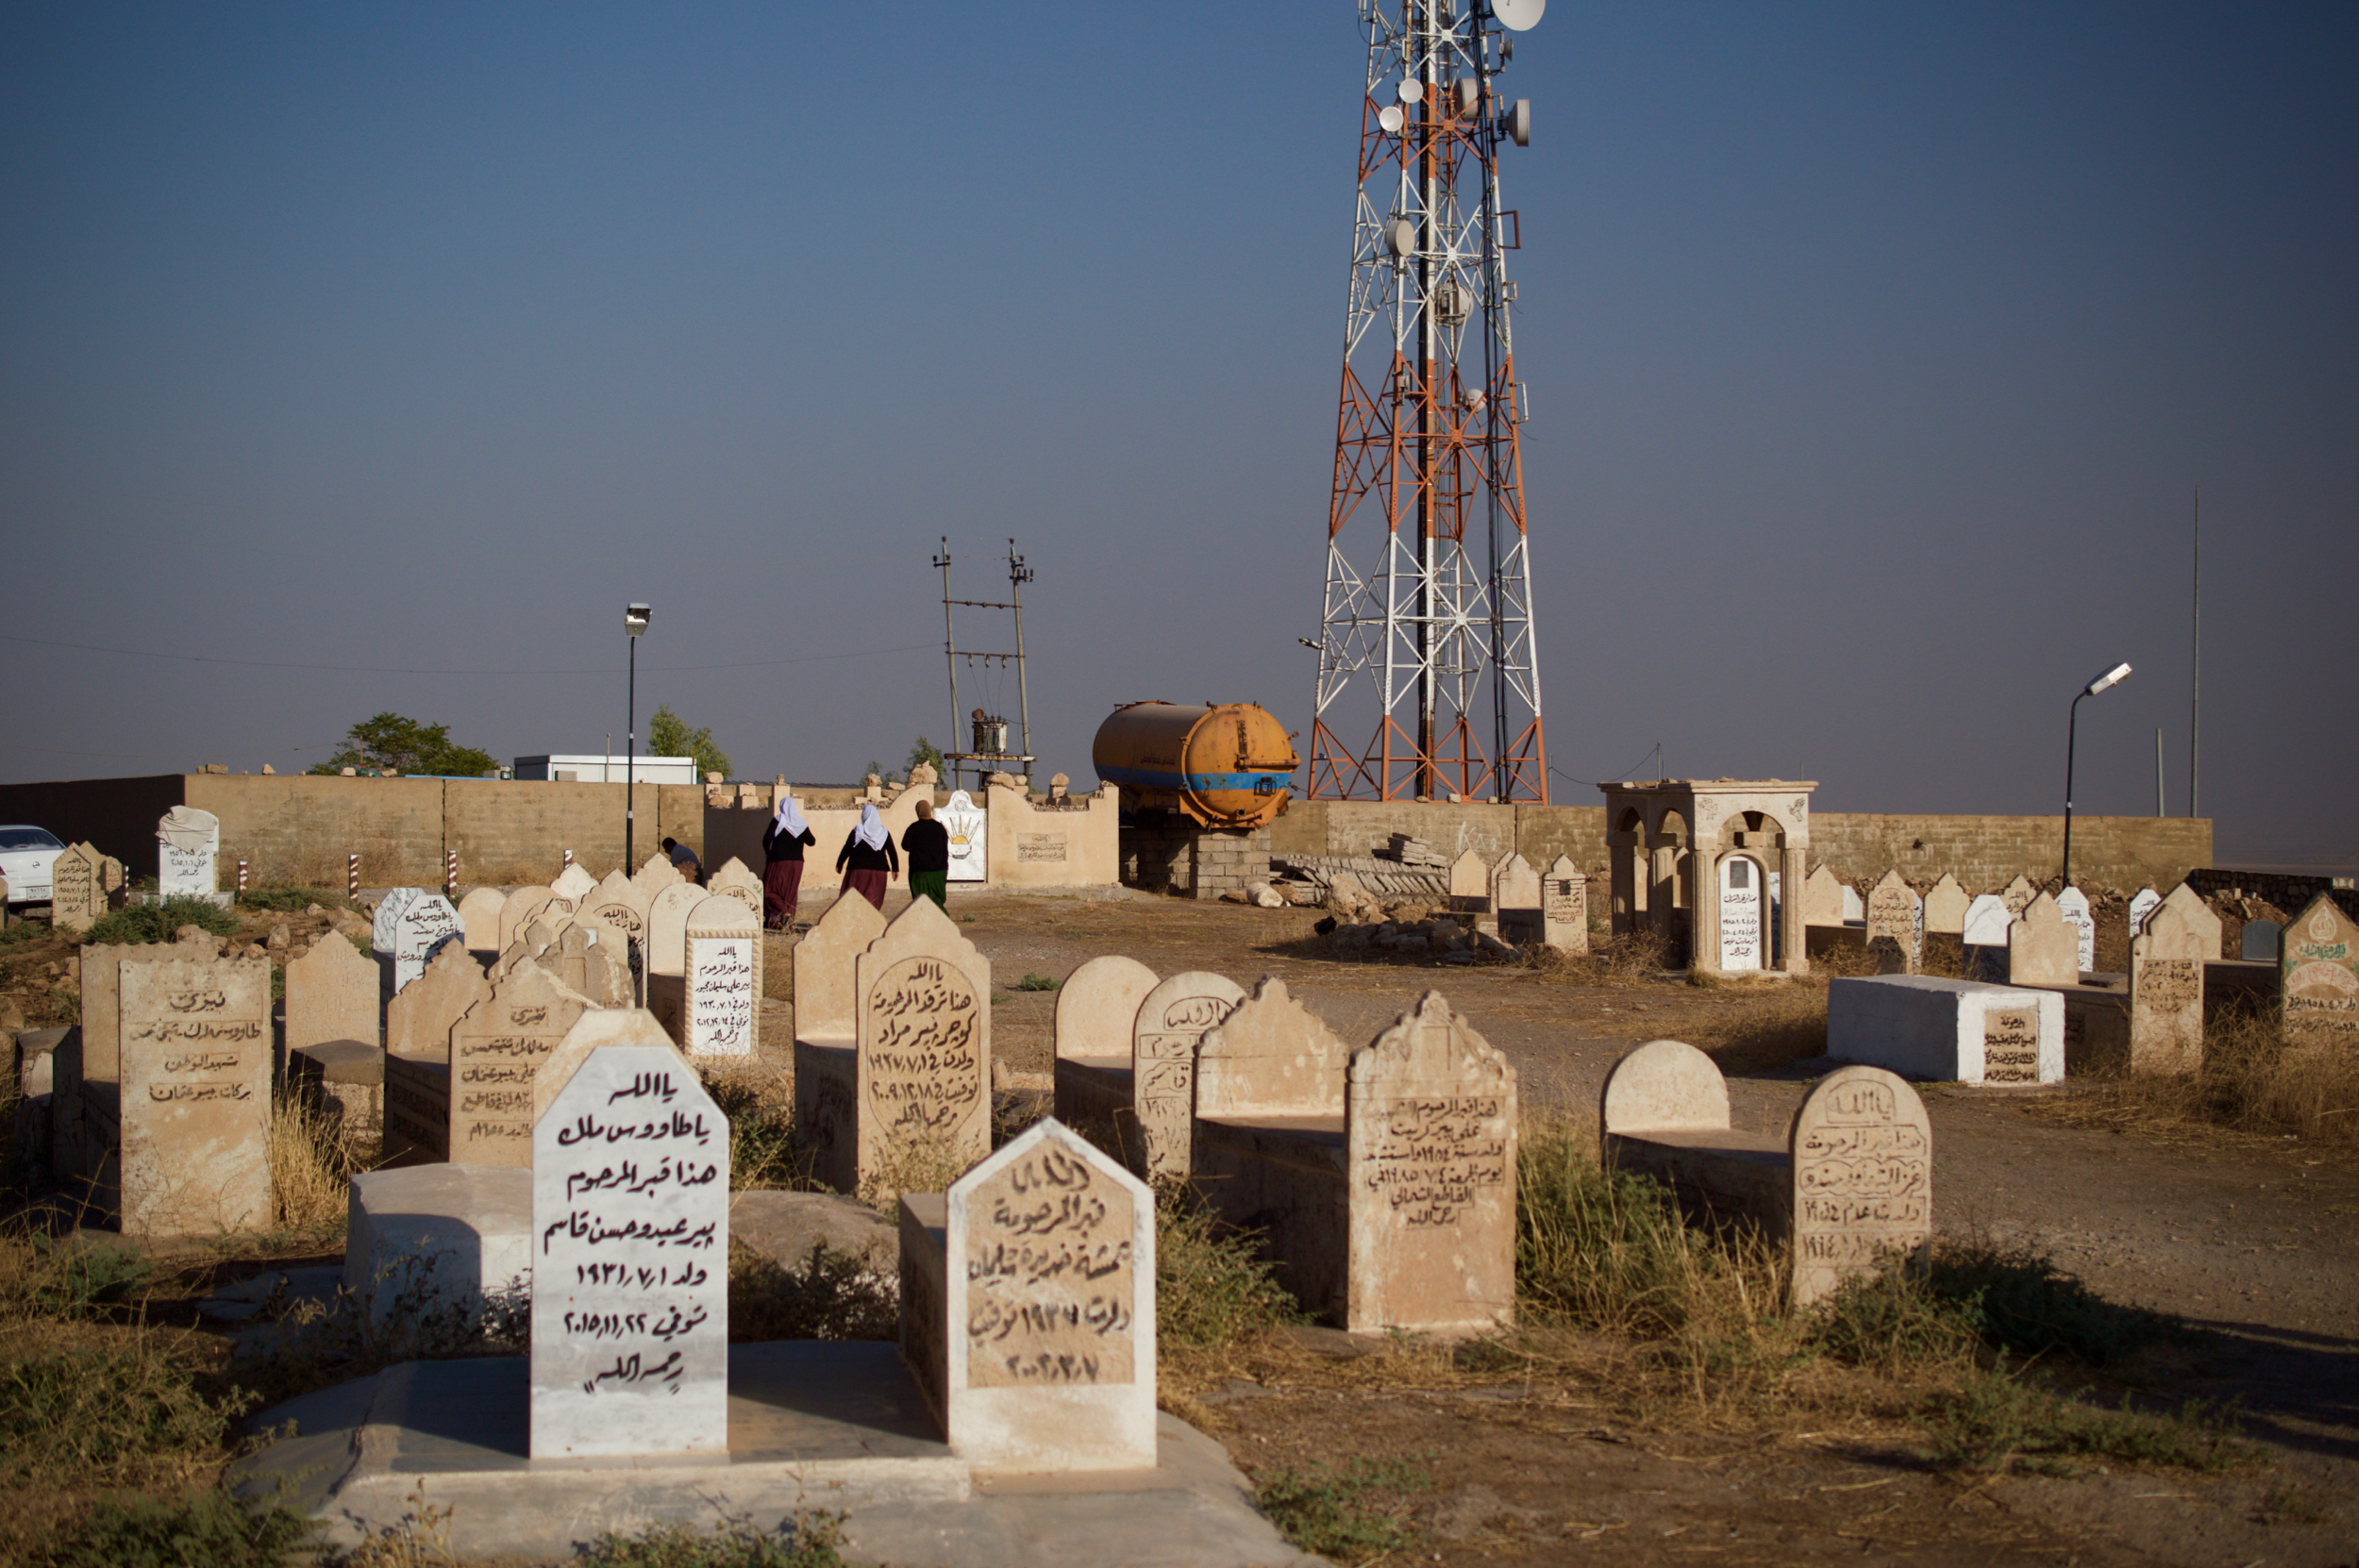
782,844
868,857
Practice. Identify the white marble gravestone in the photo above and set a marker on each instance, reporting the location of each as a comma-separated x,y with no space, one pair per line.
2141,905
187,843
965,821
1983,934
630,1240
721,978
2074,906
410,923
1741,899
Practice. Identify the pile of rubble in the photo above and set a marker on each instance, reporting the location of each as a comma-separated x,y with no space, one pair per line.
1441,937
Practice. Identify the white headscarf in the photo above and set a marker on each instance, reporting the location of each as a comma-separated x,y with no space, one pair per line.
789,822
871,830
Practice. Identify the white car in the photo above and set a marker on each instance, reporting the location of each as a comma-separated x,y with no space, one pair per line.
26,856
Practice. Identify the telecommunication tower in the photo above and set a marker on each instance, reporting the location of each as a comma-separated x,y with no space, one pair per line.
1430,626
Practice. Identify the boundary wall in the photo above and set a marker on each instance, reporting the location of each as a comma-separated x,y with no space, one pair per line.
1982,852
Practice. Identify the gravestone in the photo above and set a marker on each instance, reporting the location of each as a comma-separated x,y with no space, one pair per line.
1564,907
2261,941
521,909
1270,1056
1822,898
195,1109
1893,916
1985,937
495,1056
2042,949
923,1086
590,961
734,881
2319,970
480,918
654,877
1171,1024
2141,905
1945,908
573,885
1098,1008
618,906
824,960
1470,890
630,1200
2167,953
77,895
418,1021
2018,895
721,979
1041,1357
1515,898
667,926
187,843
1854,908
1664,1086
1430,1129
2011,1045
1862,1171
966,826
1741,898
331,995
2074,906
410,923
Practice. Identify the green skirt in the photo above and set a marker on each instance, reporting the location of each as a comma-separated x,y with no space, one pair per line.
930,884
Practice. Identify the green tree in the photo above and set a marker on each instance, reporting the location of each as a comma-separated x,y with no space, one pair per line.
927,753
668,735
391,743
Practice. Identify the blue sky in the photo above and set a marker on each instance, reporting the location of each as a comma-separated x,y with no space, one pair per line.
1875,353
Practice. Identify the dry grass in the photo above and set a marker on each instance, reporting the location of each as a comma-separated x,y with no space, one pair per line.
1630,958
310,1170
2255,1079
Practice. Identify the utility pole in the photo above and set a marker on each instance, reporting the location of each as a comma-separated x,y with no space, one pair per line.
1018,575
949,656
2195,668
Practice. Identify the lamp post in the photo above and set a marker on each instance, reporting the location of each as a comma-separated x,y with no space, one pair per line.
2110,677
635,621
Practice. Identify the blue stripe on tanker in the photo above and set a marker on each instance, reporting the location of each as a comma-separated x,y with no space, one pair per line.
1202,783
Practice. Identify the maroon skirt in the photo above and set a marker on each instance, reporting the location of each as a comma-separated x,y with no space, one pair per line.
781,891
868,884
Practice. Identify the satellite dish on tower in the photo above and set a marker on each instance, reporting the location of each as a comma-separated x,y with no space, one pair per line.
1518,15
1391,119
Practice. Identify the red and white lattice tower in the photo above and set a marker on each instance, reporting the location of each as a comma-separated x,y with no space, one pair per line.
1427,620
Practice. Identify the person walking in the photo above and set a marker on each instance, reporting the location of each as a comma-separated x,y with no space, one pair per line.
928,845
868,857
782,844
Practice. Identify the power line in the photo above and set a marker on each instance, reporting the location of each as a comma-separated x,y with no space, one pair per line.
1655,752
386,670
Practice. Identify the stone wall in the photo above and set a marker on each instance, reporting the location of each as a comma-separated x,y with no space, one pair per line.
1982,852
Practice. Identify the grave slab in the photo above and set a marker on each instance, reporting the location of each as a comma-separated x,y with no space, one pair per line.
720,983
187,843
814,1425
2319,965
2167,953
410,923
1948,1031
480,918
438,1239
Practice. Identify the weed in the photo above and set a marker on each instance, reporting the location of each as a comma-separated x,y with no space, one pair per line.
2289,1504
141,922
80,1280
2253,1078
1780,1023
1211,1287
831,1296
1351,1513
803,1541
1992,1421
420,1539
911,1166
108,1418
26,930
1617,960
762,1134
2019,1301
195,1526
1893,1320
1037,982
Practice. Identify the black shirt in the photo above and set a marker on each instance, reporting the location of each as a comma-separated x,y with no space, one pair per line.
777,846
856,856
929,844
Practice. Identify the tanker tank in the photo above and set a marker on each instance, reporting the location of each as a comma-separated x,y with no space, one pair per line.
1228,766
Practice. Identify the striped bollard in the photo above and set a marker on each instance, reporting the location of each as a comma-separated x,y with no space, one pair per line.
241,881
450,874
352,877
568,865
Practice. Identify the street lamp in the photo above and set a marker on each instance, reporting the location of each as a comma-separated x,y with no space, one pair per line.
635,621
2110,677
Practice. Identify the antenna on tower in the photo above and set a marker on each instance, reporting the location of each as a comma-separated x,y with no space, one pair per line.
989,731
1426,624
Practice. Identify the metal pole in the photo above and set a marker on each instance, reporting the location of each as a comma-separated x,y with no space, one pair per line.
630,745
1017,576
2071,729
949,656
2158,773
2195,671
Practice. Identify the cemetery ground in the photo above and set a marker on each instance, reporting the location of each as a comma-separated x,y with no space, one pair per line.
2136,1343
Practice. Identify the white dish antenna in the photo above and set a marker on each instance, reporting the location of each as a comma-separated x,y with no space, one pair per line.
1411,90
1519,16
1391,119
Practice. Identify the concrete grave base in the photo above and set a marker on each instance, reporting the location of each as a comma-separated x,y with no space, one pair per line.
813,1424
437,1236
1923,1026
